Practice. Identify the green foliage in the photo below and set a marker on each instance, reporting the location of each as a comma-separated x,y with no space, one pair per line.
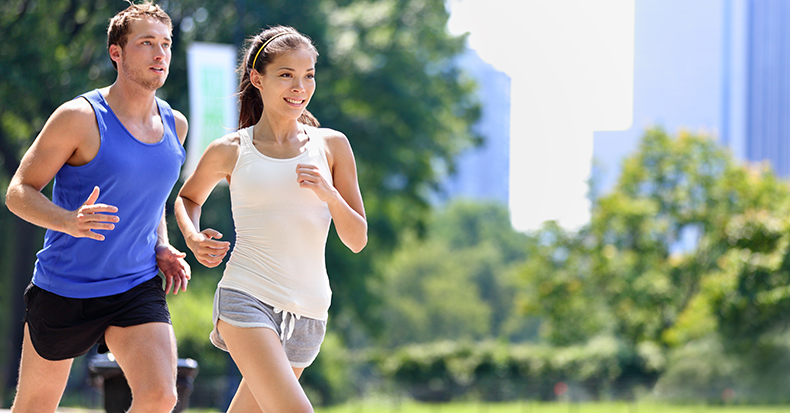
689,256
431,294
455,282
556,285
633,273
327,381
386,78
495,371
750,294
376,406
192,322
706,370
51,51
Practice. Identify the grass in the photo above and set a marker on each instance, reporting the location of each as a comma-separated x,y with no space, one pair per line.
519,407
534,407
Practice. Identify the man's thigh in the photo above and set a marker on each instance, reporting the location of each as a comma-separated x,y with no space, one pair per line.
41,381
146,353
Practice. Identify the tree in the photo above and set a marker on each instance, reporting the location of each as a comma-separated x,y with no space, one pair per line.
50,53
455,282
634,262
386,78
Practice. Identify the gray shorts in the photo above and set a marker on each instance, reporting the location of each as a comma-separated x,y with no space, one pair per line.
301,336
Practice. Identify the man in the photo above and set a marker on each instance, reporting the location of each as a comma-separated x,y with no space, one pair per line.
115,154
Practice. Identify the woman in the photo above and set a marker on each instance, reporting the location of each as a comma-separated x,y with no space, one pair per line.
288,179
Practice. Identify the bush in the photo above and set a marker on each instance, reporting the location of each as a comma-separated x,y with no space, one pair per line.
496,372
709,370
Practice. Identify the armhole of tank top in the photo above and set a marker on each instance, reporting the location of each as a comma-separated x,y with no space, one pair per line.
101,126
244,141
168,119
96,116
319,146
312,142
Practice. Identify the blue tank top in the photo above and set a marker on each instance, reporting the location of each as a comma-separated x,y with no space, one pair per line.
134,176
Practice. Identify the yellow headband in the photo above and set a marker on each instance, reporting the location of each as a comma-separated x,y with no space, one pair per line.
266,44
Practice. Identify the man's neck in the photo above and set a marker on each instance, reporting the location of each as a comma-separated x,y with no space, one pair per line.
130,101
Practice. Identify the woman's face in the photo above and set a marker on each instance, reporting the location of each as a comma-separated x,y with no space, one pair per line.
289,83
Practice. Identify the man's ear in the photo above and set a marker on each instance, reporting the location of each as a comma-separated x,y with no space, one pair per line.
115,53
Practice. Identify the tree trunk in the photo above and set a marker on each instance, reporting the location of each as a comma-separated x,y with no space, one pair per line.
27,241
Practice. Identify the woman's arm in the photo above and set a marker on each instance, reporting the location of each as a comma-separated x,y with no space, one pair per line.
216,164
343,197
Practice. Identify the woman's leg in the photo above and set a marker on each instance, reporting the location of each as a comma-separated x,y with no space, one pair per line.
243,401
268,376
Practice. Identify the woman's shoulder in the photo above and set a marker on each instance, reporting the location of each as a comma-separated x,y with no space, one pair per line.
224,148
229,141
329,137
335,144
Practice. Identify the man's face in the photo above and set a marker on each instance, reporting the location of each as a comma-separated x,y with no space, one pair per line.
145,59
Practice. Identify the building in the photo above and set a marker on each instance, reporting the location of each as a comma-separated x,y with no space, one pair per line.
715,66
482,173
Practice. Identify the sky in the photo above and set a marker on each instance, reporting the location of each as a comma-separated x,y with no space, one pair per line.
571,69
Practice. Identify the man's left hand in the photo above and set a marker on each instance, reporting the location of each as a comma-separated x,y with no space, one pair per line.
176,270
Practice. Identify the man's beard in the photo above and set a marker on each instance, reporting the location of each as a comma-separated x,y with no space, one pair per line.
138,77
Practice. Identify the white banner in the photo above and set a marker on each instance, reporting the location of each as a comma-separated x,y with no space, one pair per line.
213,108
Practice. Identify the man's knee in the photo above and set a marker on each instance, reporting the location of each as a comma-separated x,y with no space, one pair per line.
154,398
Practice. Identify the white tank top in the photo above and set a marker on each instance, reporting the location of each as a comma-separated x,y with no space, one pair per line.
281,231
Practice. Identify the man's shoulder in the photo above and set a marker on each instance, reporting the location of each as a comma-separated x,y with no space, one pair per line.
77,110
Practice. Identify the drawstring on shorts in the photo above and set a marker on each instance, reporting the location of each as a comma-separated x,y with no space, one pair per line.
286,333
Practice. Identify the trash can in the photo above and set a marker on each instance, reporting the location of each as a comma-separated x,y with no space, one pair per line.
106,376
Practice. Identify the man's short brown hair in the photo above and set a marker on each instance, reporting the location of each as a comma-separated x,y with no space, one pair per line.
120,24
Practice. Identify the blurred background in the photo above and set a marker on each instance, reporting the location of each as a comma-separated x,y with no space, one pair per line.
567,200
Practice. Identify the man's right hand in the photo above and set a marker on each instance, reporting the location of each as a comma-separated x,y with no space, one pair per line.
92,216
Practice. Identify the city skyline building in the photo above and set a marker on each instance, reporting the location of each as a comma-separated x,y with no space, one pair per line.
482,172
719,67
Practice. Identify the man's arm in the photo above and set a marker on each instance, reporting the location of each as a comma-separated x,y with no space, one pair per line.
170,260
70,136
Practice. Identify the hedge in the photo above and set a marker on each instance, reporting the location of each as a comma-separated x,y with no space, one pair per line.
494,371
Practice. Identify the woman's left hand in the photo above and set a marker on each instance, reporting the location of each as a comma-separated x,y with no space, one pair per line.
308,176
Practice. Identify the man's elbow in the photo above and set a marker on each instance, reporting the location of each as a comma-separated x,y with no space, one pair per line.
12,198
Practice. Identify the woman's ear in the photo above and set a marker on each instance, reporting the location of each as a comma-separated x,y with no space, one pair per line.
256,79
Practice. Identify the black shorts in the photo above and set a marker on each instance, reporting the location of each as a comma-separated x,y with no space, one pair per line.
63,328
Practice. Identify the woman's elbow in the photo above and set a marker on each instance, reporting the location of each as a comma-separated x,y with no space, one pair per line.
359,246
358,243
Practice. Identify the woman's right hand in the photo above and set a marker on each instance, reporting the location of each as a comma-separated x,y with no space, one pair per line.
208,251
